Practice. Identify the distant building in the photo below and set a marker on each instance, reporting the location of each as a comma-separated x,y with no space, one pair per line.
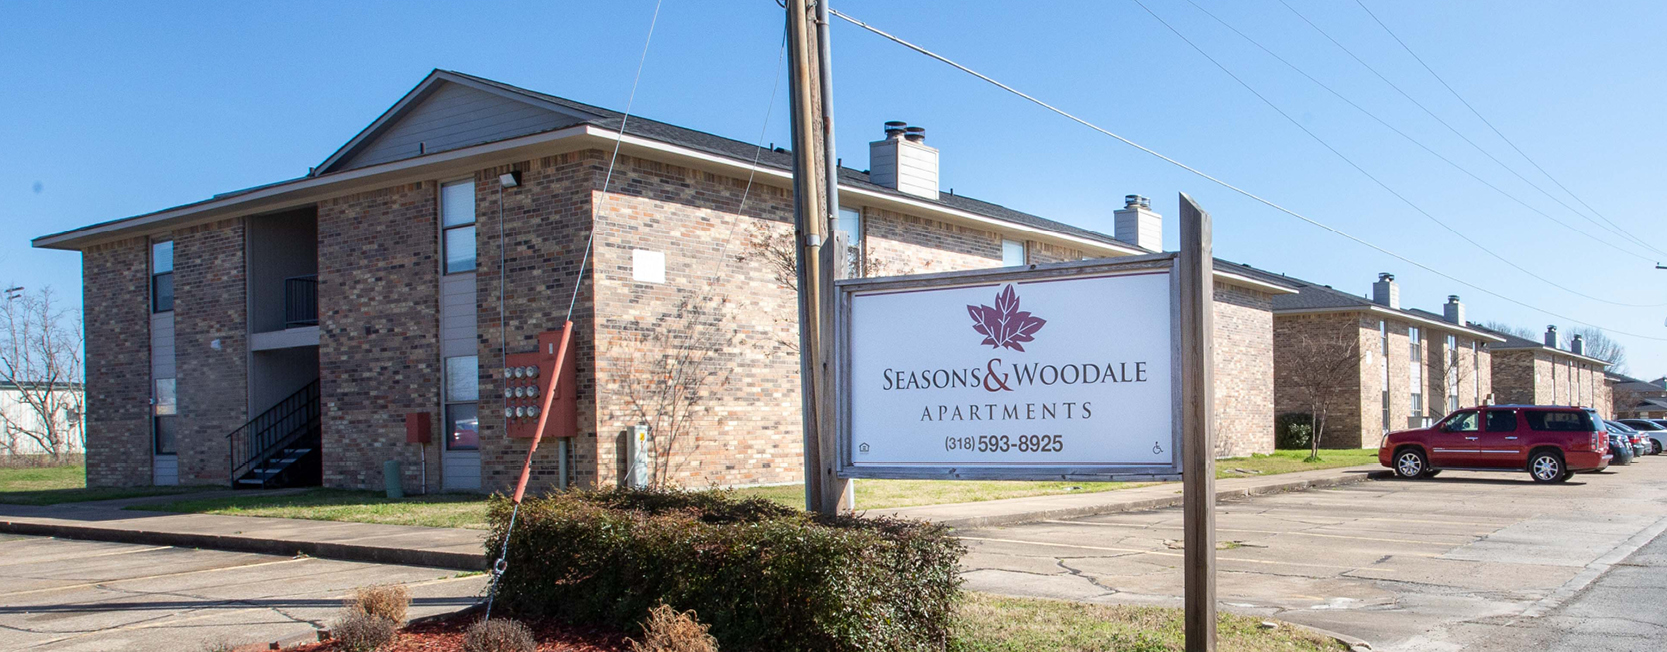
300,324
1638,399
24,414
1411,366
1543,373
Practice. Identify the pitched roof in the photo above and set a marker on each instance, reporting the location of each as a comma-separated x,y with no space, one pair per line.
694,139
1314,297
1515,342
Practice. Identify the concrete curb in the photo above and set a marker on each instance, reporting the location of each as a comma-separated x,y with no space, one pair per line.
1113,507
1354,644
324,550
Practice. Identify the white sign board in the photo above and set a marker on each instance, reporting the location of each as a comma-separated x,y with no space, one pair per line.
1061,371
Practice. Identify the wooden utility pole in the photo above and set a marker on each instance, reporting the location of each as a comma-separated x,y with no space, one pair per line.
814,194
1198,473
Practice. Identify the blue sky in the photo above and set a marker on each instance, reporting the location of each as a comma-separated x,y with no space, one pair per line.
115,109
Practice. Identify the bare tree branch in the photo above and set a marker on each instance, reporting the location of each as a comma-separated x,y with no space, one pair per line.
40,375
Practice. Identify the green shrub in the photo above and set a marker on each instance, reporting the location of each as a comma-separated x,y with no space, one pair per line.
1293,430
763,576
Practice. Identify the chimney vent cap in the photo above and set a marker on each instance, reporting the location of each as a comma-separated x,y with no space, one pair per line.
1452,298
914,134
894,128
1385,276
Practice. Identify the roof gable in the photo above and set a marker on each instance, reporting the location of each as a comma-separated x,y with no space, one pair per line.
448,111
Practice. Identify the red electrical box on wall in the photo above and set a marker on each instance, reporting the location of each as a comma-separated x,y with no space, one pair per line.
527,376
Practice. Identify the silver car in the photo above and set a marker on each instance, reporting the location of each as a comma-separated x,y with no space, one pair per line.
1652,429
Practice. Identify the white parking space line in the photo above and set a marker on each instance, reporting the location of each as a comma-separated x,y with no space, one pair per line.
141,578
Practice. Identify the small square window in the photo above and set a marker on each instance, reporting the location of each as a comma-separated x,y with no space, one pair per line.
462,427
460,249
1012,253
462,379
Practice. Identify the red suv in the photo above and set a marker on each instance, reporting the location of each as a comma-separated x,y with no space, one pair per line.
1551,443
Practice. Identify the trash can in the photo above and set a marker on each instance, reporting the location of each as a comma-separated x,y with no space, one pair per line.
391,477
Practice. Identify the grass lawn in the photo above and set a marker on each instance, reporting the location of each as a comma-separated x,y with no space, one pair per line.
433,510
469,510
1291,461
991,623
65,484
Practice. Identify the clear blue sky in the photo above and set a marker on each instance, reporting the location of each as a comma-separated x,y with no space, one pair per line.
114,109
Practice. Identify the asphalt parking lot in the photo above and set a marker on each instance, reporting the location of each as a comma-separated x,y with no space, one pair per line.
58,594
1449,563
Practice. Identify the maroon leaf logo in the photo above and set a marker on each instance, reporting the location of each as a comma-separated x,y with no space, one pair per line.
1005,325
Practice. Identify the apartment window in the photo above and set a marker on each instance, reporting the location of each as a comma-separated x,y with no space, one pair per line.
457,224
164,416
1012,253
850,224
1415,370
462,403
1476,370
162,276
1451,377
1383,344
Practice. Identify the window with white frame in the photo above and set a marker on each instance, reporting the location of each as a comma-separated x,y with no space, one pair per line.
1451,376
850,224
1476,371
1383,345
1012,253
462,402
1415,370
162,276
457,226
164,416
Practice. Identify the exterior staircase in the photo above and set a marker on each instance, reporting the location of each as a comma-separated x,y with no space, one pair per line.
281,446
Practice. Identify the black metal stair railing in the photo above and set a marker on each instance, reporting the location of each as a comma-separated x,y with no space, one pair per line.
269,433
301,301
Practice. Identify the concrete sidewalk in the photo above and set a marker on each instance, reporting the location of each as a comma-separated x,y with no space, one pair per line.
462,549
1011,511
451,548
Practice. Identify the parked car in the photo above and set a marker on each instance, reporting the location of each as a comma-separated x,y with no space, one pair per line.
1620,447
1551,443
1652,429
1636,443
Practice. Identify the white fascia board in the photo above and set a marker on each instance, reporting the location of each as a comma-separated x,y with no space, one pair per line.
1547,349
1395,314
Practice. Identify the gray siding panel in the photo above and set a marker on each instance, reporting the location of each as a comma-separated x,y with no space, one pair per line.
162,345
454,116
165,473
457,315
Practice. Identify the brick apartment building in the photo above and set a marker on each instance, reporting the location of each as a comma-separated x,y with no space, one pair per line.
1638,399
1404,367
324,311
1542,373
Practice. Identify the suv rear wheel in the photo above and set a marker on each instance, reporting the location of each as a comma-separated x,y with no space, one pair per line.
1410,463
1655,446
1546,466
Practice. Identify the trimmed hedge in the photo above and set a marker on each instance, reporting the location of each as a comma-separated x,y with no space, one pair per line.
764,576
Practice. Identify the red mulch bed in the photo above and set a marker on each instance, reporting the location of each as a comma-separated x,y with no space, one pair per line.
446,635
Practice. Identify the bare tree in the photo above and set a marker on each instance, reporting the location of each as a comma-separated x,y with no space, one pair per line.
772,248
1511,329
1321,366
40,364
673,366
1599,345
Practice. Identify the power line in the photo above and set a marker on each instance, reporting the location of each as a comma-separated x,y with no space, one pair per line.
1404,199
1485,121
1410,139
945,60
1461,135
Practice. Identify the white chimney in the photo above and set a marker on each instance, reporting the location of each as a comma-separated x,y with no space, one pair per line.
1551,336
1453,311
1138,225
1578,345
903,162
1386,292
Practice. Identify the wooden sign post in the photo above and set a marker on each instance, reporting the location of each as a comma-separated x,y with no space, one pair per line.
1196,269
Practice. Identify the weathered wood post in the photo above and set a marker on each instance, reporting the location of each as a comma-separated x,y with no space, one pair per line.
1197,288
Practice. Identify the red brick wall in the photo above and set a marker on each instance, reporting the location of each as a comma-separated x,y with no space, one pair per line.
116,309
209,308
1352,416
546,221
378,343
1244,375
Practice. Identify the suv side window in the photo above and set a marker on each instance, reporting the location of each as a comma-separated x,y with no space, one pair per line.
1559,421
1466,421
1502,420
